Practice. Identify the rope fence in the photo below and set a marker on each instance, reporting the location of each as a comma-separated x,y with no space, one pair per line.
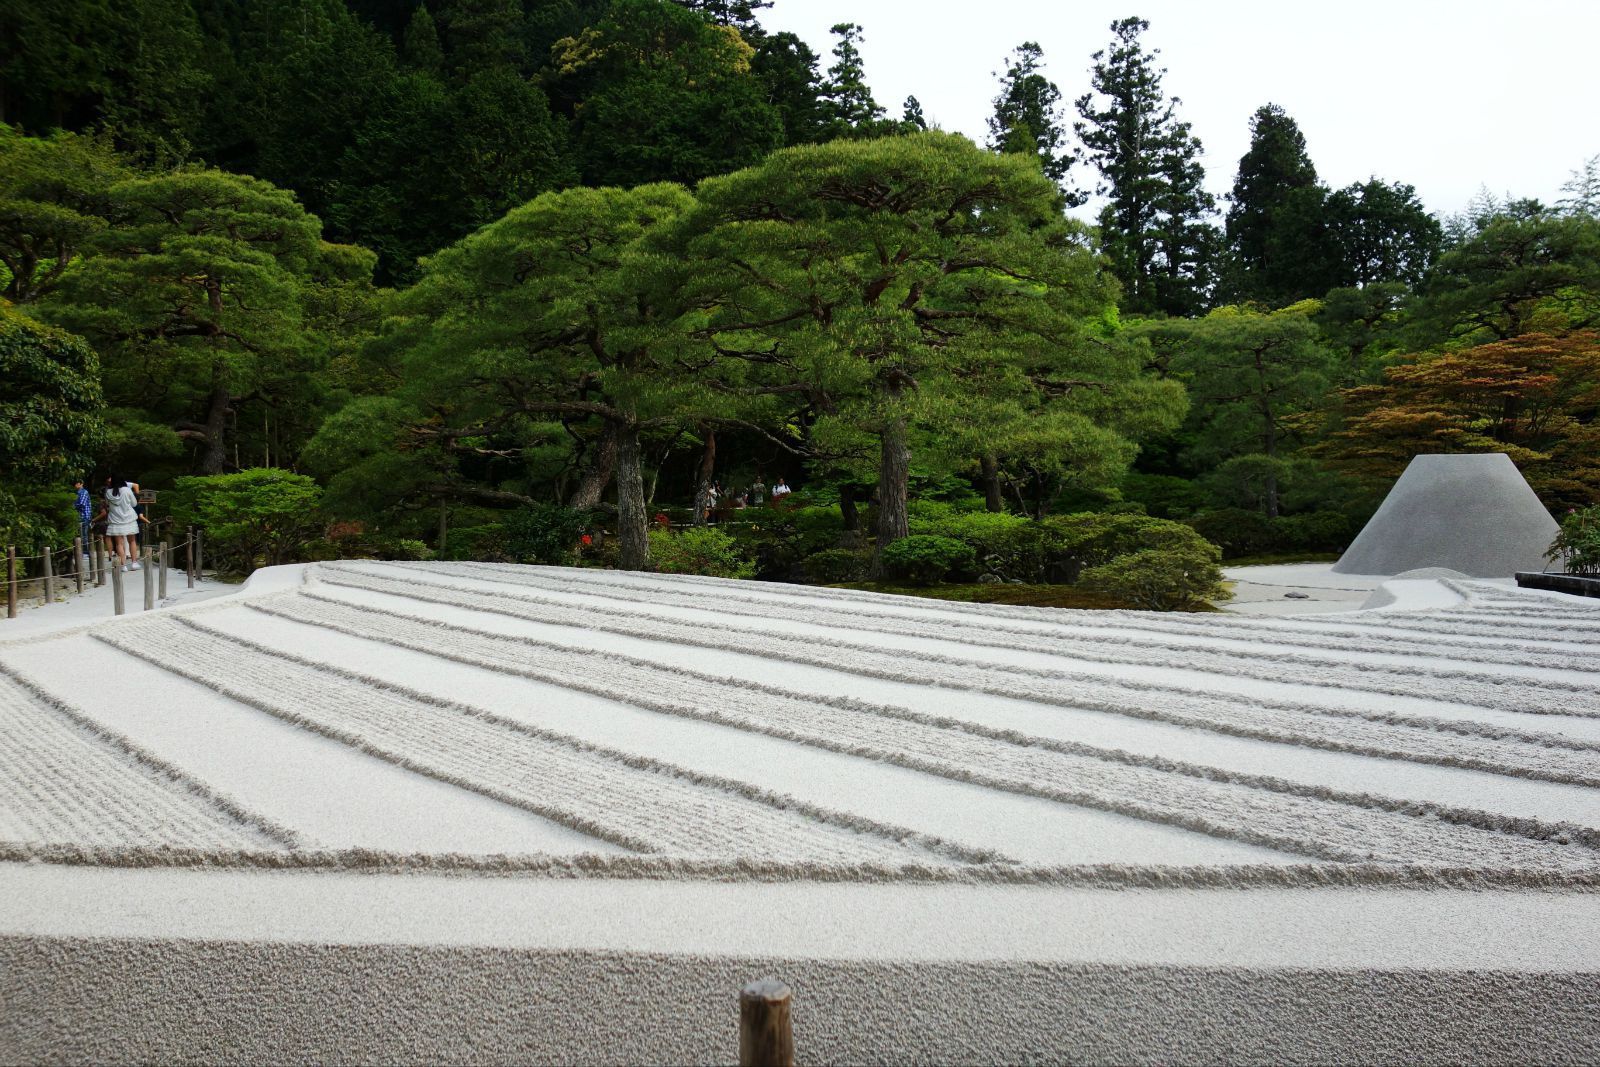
84,566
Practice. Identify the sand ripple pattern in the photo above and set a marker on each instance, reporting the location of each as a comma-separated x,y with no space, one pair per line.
640,804
1315,823
65,783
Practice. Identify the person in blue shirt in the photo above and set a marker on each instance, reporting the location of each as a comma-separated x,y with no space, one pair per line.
85,517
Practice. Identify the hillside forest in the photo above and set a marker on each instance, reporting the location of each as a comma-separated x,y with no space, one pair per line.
557,280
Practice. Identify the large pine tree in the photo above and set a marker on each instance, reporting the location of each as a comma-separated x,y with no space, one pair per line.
1154,229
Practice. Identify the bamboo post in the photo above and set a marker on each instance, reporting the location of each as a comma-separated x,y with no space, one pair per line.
188,557
147,565
11,582
77,561
166,550
766,1038
199,554
118,603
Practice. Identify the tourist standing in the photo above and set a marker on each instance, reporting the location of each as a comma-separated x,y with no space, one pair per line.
85,518
122,521
758,492
780,490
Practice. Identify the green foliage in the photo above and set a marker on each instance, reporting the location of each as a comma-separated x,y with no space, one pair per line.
1170,577
925,559
1027,118
845,101
1241,532
544,533
256,517
699,550
1577,546
54,199
1163,495
834,565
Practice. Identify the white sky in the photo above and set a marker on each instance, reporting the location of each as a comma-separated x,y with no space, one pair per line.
1447,95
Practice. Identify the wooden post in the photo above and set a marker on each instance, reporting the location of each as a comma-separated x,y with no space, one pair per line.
188,557
11,582
766,1038
147,564
77,561
99,561
166,550
199,554
49,577
118,603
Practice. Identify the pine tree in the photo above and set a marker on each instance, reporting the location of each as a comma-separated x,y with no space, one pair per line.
911,115
847,104
1027,118
421,49
1155,224
740,14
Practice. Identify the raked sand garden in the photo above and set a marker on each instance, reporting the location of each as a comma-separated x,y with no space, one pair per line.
368,811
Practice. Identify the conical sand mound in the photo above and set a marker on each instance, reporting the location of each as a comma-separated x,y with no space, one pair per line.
1471,513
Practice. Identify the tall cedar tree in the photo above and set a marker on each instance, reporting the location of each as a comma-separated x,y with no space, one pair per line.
904,282
1027,118
1279,248
1154,228
848,108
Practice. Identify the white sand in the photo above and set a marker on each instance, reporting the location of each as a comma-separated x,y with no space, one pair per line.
681,780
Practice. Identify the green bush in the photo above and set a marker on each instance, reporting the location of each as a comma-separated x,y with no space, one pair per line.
925,559
257,517
544,533
485,542
1172,577
699,550
1163,495
1314,531
1577,546
837,565
371,546
1237,532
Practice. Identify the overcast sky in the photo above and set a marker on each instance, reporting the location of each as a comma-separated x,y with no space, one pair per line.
1448,95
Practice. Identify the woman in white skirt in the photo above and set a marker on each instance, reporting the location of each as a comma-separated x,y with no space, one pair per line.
122,521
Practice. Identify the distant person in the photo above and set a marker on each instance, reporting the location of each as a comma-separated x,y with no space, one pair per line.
85,508
780,490
122,521
758,492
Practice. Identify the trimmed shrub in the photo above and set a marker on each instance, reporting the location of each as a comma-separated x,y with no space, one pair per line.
925,559
837,565
1314,531
699,550
1236,531
544,533
262,516
1172,577
1577,546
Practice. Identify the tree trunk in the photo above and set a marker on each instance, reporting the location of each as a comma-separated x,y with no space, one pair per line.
894,476
848,510
592,486
217,411
702,481
632,525
989,467
444,528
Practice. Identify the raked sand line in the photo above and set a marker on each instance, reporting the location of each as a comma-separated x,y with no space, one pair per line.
1255,640
1256,809
1461,684
1261,718
66,780
637,802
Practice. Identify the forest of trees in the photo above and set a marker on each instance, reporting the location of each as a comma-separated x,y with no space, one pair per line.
460,259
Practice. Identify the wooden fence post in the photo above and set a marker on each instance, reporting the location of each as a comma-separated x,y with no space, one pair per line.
199,554
11,582
766,1037
147,564
188,557
118,602
49,577
99,562
166,550
77,561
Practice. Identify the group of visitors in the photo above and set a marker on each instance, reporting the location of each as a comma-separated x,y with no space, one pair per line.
712,496
122,515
